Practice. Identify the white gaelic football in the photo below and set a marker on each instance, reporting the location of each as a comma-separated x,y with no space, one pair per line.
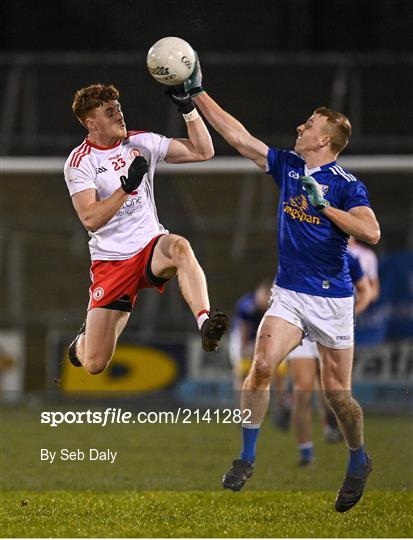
171,60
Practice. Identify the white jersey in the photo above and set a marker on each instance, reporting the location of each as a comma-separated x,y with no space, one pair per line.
136,222
367,259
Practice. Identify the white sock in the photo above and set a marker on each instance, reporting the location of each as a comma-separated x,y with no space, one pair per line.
202,318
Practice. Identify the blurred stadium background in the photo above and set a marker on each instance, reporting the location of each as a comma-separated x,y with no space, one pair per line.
270,67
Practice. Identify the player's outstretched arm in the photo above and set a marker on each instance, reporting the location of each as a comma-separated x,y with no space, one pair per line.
226,125
232,131
198,146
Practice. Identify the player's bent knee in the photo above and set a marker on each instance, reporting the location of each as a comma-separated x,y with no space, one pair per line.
181,250
95,366
94,369
262,371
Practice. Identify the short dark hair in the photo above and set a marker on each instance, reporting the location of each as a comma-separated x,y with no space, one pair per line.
91,97
341,128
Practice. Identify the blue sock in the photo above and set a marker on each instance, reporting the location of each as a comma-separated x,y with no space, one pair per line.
357,462
306,451
249,442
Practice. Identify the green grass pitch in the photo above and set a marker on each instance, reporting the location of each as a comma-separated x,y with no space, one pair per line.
166,483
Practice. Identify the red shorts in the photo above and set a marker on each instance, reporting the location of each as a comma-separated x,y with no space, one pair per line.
115,284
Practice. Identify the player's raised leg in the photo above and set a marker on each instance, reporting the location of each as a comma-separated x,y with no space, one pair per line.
95,343
275,339
336,366
172,256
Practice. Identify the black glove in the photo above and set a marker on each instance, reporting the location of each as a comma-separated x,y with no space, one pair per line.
137,170
181,98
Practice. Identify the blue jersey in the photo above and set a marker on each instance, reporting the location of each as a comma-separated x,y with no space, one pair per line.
312,250
247,311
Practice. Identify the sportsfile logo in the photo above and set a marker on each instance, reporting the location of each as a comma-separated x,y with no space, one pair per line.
296,207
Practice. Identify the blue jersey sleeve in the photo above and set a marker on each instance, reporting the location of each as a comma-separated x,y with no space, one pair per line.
275,159
356,272
355,194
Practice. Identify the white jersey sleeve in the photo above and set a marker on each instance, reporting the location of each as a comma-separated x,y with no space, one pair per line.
371,265
79,173
368,259
160,145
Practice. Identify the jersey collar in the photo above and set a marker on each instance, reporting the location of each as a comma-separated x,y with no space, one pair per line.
93,145
309,172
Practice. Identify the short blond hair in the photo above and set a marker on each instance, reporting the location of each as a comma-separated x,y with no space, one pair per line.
341,128
91,97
